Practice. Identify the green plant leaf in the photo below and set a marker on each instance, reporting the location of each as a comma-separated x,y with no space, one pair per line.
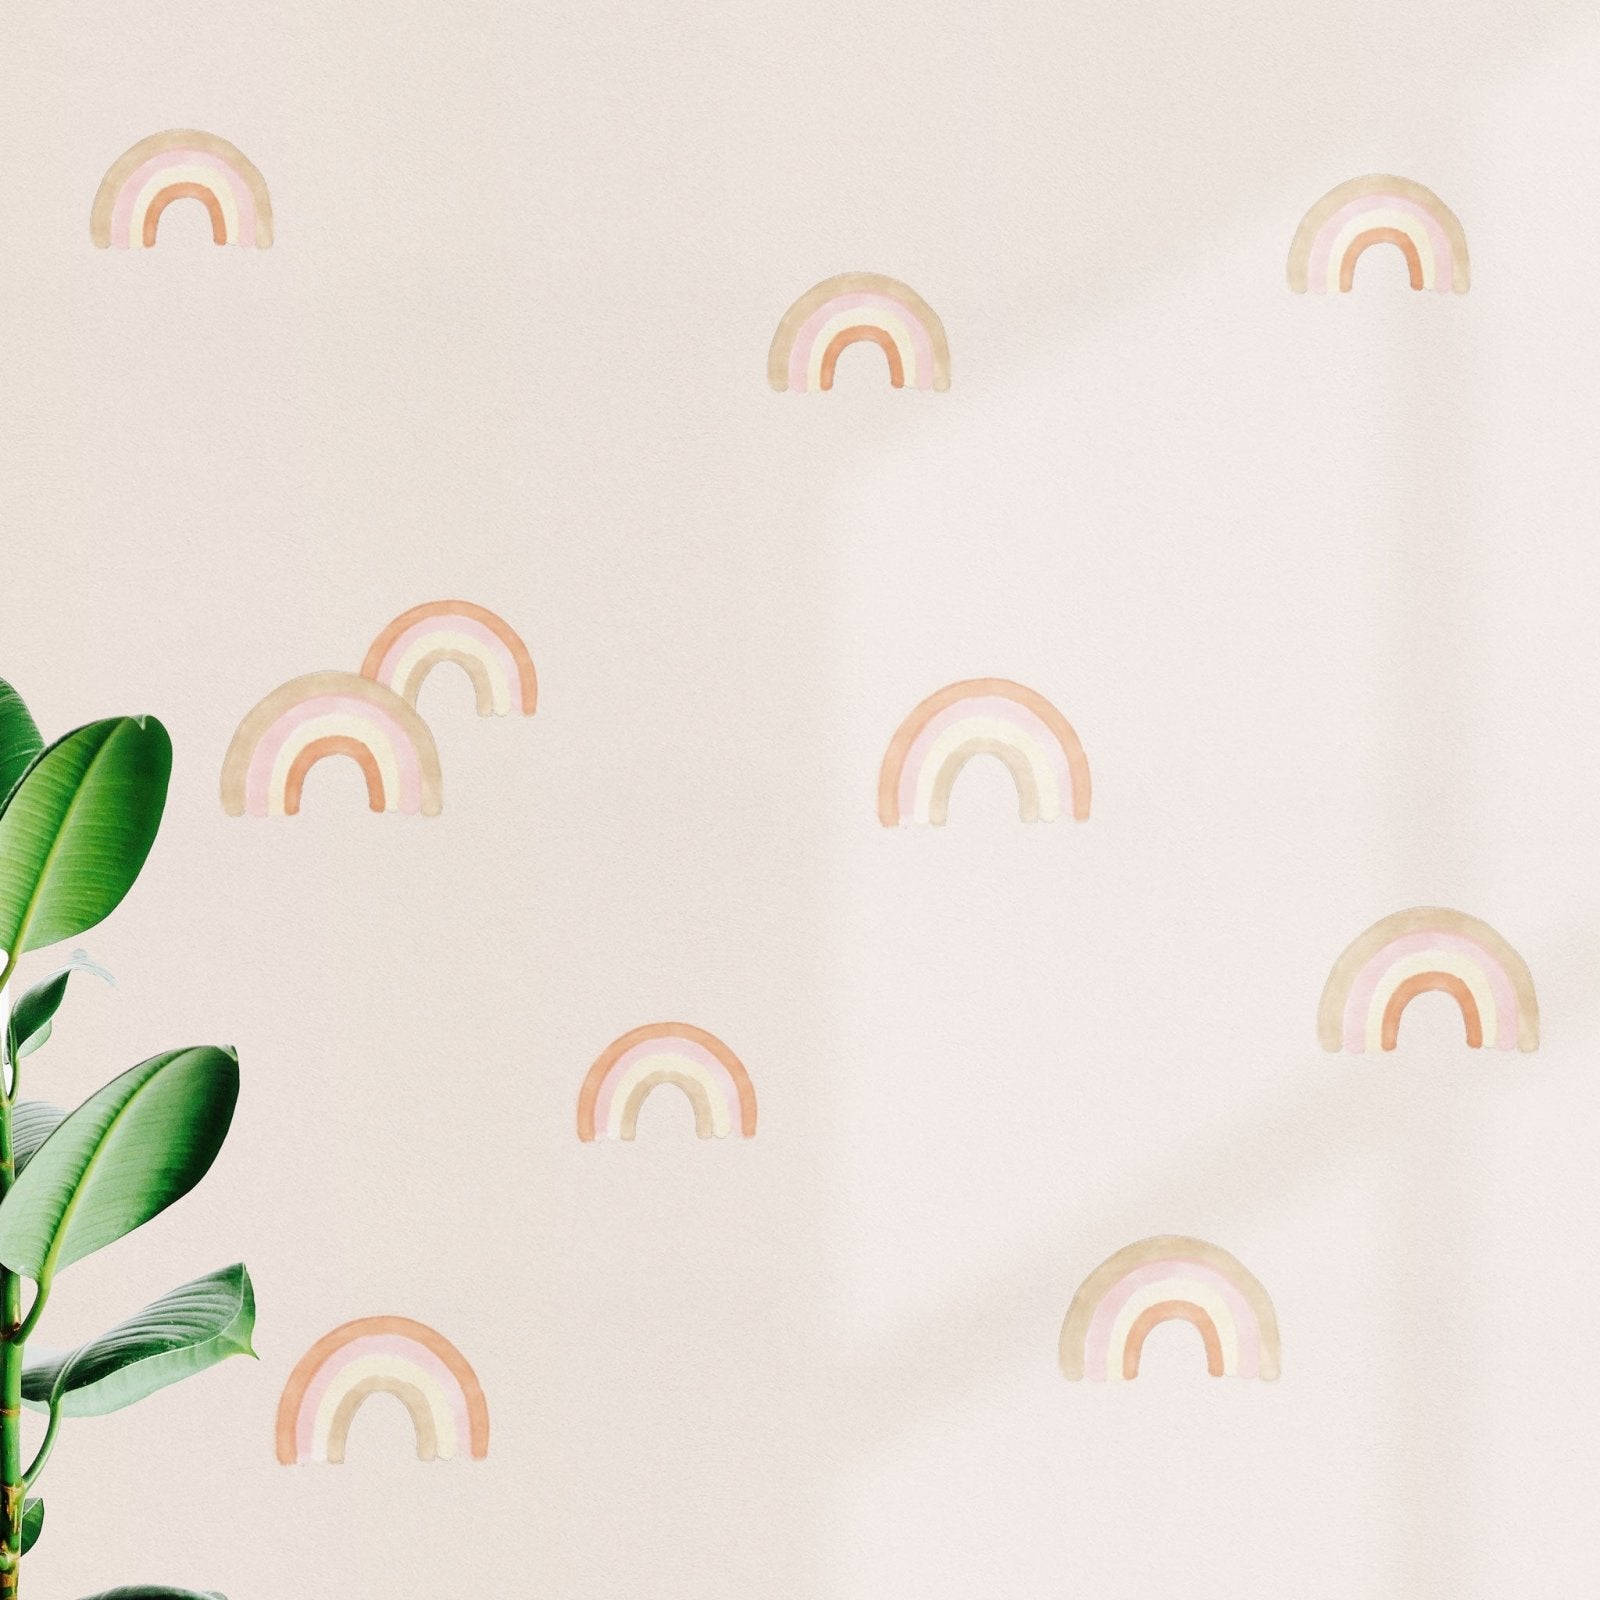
32,1523
32,1122
183,1333
33,1015
156,1591
19,738
77,828
124,1155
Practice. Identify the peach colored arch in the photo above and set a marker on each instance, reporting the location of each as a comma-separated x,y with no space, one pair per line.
1425,919
1172,1311
186,191
894,760
335,744
596,1076
330,1344
129,162
527,677
1432,982
862,333
1365,241
1166,1247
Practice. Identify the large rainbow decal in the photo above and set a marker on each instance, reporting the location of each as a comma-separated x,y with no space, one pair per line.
382,1355
708,1072
1162,1280
330,714
1380,209
852,308
1428,949
486,648
181,164
983,716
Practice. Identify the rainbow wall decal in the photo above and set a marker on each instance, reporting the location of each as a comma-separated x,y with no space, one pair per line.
850,309
983,716
330,714
486,648
182,164
1417,951
708,1072
1380,209
1160,1280
382,1355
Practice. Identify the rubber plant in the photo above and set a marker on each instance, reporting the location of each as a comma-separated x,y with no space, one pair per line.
77,820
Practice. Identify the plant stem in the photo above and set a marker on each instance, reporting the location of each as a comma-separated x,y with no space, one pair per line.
12,1487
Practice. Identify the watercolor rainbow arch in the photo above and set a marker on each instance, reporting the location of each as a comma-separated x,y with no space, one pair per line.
483,645
382,1355
854,308
709,1073
181,164
330,714
1380,209
1428,948
983,716
1166,1279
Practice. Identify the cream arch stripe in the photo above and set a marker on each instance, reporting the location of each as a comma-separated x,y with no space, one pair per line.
1043,760
332,1343
1425,919
1450,964
441,1401
1376,184
1196,1291
675,1066
135,156
1164,1248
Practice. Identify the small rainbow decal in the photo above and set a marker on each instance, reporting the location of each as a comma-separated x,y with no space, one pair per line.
382,1355
708,1072
1414,952
983,716
182,164
1378,210
850,309
1162,1280
330,714
487,649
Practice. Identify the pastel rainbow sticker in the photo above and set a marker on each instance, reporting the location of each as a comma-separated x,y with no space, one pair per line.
983,716
1163,1280
181,164
382,1355
699,1063
1351,219
487,649
330,714
1420,951
854,308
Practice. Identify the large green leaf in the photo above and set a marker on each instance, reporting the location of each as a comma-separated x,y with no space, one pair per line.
184,1332
156,1591
126,1153
19,738
34,1014
77,829
32,1122
32,1523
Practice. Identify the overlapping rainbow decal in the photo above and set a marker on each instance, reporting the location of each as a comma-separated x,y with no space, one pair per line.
1414,952
983,716
708,1072
330,714
1159,1280
486,648
181,164
382,1355
1378,210
849,309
